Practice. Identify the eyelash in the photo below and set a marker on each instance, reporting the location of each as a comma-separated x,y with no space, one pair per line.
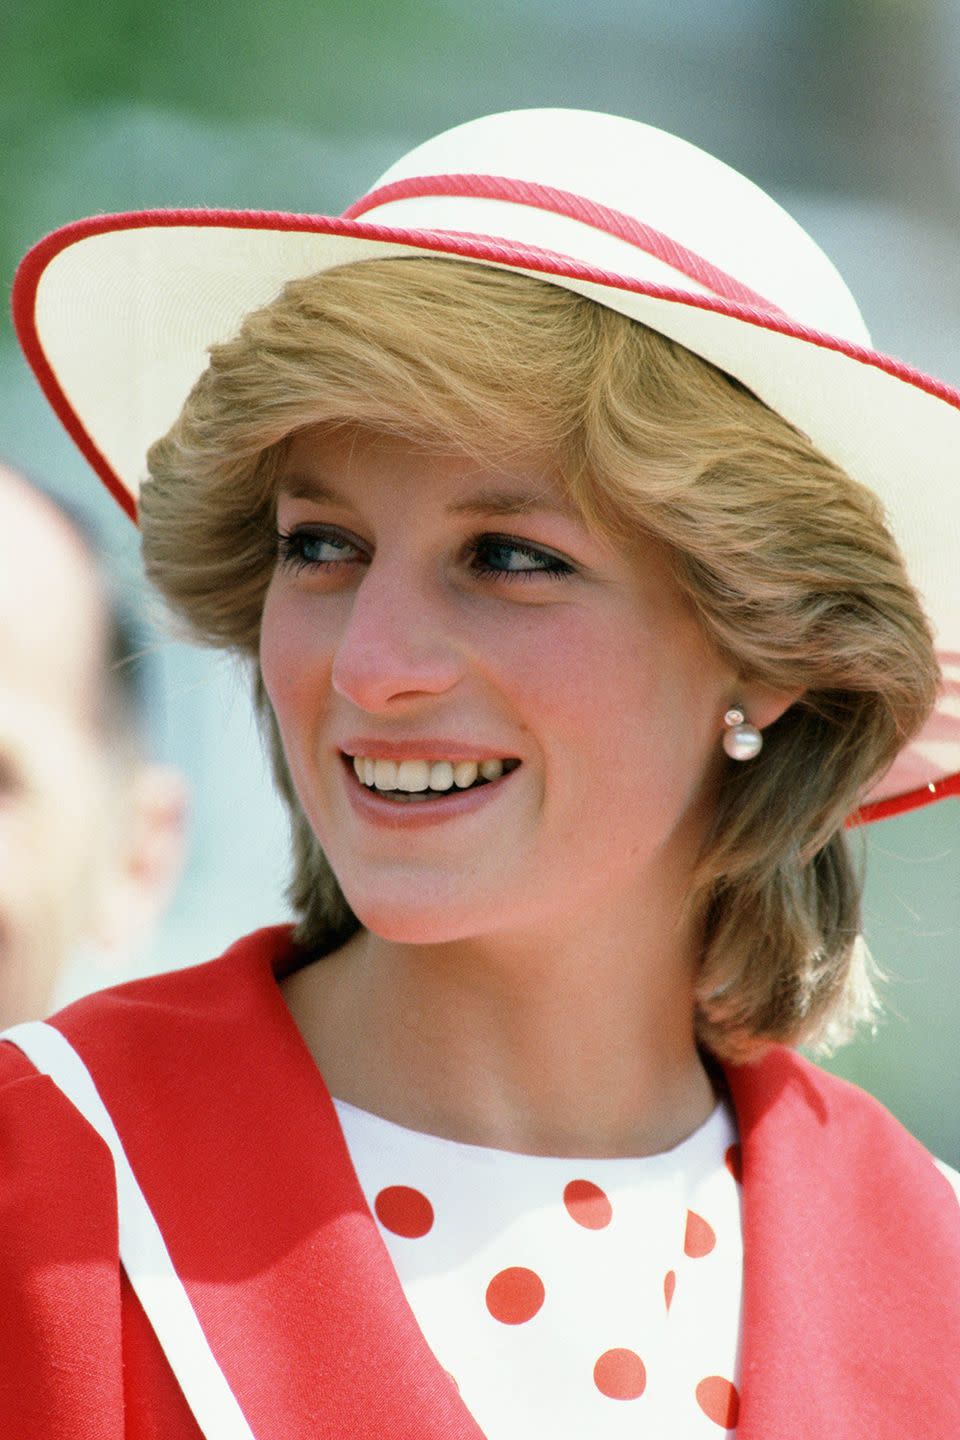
291,556
552,564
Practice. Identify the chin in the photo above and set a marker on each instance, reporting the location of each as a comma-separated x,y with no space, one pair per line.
415,923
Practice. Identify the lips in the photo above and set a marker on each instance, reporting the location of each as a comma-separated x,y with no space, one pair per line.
417,810
424,779
425,748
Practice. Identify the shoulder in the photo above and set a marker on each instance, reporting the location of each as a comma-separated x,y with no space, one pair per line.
139,1042
784,1080
191,998
151,1027
792,1107
60,1287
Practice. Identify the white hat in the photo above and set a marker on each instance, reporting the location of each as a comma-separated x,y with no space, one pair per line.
116,314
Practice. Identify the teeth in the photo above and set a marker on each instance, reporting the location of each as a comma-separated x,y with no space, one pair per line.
413,775
416,776
385,774
441,775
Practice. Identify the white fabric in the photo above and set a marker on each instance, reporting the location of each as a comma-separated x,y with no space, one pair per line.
143,1251
603,1287
951,1175
688,195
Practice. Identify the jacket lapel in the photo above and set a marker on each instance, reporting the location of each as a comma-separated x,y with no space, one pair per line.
234,1139
851,1320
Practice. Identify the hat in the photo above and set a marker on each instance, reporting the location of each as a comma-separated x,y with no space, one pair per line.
116,314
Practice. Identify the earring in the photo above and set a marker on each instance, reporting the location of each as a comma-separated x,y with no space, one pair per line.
741,740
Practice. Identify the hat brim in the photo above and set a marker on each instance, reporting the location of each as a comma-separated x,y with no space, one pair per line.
115,315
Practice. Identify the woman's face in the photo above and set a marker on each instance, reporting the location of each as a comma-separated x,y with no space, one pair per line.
425,608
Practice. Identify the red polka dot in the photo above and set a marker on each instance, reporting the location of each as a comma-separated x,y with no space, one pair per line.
669,1286
515,1295
734,1162
699,1239
719,1401
620,1375
587,1204
405,1211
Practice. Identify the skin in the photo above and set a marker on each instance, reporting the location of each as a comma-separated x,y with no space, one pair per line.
525,977
87,851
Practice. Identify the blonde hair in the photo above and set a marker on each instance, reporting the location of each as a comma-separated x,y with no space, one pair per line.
785,558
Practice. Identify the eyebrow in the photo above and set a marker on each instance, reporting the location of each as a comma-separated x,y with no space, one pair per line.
485,502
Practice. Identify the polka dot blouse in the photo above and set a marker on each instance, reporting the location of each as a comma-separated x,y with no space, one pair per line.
569,1298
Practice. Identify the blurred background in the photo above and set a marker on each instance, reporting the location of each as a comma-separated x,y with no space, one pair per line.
848,111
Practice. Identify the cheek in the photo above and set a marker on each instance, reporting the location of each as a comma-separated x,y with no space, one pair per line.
586,685
296,677
274,642
580,700
289,671
628,725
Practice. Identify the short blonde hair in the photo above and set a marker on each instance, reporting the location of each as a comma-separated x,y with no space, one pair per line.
785,558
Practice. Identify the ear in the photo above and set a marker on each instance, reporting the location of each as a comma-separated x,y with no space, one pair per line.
149,849
762,704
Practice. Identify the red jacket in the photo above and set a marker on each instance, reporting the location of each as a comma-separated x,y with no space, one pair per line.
851,1324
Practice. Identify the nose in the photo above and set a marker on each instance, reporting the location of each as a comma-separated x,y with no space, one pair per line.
398,641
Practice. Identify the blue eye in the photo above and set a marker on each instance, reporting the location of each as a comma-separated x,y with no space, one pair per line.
499,557
510,559
311,549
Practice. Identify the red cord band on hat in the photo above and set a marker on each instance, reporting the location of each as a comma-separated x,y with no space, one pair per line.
574,207
483,248
910,800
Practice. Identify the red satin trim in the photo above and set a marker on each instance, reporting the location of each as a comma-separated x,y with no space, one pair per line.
910,800
23,303
575,207
466,247
456,244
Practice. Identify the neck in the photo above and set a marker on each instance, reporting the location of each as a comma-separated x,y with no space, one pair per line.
564,1042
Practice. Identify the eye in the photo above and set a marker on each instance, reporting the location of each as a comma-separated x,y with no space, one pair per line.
315,550
506,558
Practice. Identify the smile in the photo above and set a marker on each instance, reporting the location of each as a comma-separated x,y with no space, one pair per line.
419,781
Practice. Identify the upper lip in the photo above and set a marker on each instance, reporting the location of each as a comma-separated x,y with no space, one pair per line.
424,748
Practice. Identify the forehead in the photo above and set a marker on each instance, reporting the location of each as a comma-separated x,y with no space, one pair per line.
336,465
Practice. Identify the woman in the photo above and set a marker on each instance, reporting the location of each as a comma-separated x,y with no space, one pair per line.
577,645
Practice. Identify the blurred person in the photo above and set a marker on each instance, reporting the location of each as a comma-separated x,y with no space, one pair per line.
90,834
593,572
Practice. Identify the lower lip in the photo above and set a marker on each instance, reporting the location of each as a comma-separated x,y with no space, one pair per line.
417,815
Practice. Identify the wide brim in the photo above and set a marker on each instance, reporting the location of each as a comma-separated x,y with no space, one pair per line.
116,315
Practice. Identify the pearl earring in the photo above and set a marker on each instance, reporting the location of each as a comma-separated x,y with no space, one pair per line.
741,740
